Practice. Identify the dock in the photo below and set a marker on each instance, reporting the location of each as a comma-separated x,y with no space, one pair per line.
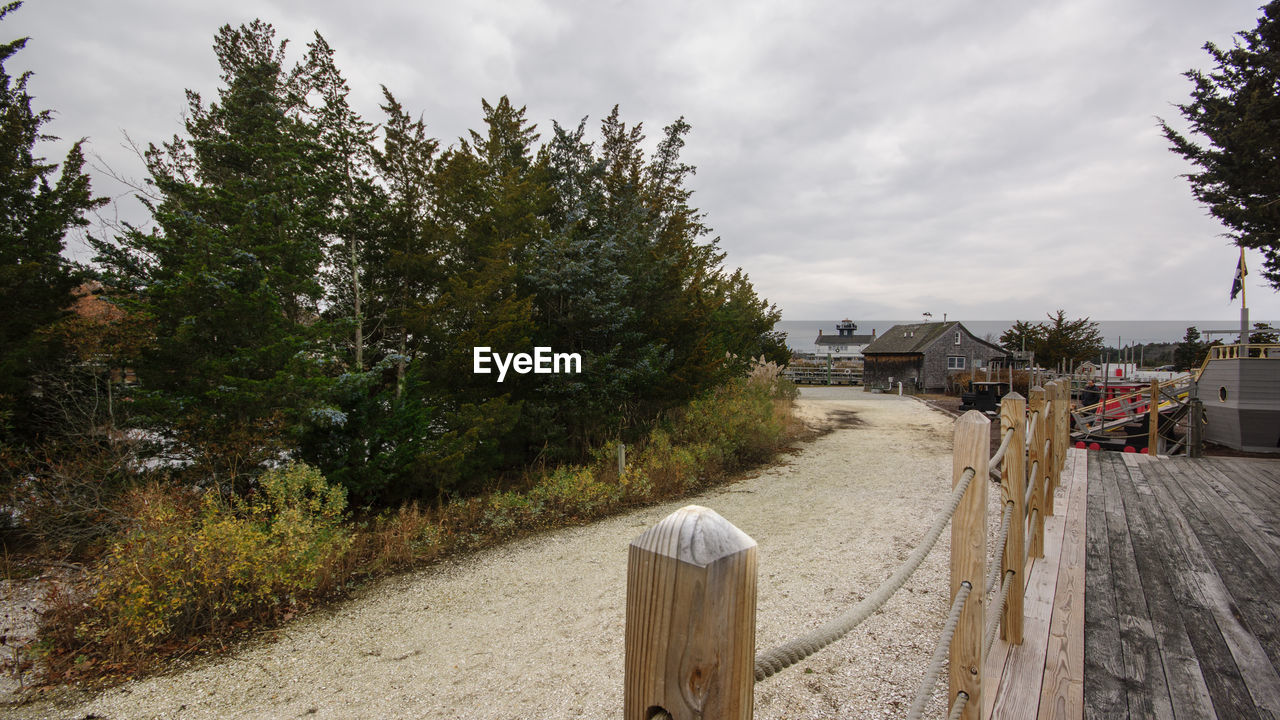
1158,596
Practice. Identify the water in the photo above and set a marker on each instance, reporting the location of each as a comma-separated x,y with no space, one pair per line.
1115,333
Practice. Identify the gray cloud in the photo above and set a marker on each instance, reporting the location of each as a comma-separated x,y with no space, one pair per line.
990,160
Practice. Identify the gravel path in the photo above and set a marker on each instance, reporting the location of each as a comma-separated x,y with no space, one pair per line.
534,629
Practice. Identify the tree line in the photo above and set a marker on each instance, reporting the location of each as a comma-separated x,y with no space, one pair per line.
311,283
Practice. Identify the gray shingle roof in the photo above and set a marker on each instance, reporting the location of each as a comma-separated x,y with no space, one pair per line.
912,338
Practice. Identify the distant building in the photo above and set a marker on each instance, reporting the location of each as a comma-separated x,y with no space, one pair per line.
921,355
844,344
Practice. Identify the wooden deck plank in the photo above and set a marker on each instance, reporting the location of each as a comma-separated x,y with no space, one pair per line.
1103,665
1187,571
1229,584
1144,675
1018,694
1062,696
1249,571
1265,546
1184,679
1247,481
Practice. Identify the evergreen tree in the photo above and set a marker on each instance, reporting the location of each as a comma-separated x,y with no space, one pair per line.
230,272
1022,335
35,216
1236,109
1190,351
1059,340
1263,334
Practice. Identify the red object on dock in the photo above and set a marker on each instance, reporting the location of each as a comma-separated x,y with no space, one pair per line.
1129,449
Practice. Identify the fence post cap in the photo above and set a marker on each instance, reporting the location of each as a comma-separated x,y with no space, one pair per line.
695,535
973,417
1013,395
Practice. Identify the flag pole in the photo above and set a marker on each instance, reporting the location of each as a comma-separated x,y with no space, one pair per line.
1244,303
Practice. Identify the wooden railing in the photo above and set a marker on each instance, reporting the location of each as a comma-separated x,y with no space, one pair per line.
691,579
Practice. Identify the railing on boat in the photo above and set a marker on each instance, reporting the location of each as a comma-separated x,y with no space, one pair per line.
691,580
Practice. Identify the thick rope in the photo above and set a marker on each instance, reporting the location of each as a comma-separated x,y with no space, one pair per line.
789,653
1031,429
1031,482
962,699
940,653
1005,522
993,622
1004,445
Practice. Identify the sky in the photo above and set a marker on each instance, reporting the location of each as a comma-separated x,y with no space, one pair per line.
992,160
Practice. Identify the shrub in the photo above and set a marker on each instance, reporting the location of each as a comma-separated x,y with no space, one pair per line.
188,567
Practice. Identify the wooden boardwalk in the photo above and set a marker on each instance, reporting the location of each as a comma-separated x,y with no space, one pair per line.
1159,596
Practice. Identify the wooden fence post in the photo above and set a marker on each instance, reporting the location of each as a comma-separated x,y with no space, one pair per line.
1013,476
972,448
1049,467
1035,473
1153,420
691,619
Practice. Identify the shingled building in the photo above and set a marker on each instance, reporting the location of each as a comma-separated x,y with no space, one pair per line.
921,355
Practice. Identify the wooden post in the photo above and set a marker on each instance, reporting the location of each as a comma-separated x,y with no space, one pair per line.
691,619
1050,417
1153,420
1013,474
622,459
1036,461
972,447
1196,449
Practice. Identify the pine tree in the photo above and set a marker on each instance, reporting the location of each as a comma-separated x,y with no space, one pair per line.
229,274
1236,109
1189,352
35,216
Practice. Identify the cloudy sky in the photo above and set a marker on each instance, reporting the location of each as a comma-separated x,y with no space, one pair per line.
992,160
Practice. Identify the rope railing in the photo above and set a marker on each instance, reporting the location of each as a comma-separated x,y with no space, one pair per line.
1037,463
998,457
993,622
1003,537
940,651
773,661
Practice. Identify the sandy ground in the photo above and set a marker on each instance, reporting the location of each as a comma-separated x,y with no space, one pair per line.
534,629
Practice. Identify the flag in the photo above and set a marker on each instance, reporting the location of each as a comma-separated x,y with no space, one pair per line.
1238,284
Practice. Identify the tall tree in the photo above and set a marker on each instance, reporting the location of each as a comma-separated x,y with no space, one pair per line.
1236,109
1189,352
1059,340
230,272
36,213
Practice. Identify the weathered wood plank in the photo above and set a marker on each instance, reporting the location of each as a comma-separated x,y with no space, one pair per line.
1103,666
1238,591
1265,547
1062,696
1144,674
1185,570
1189,694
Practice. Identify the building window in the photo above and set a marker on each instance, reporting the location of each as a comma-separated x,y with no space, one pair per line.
957,337
955,362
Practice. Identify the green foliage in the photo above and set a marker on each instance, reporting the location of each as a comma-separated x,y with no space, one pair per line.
308,285
229,274
1263,334
1191,351
1058,340
36,213
1236,110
